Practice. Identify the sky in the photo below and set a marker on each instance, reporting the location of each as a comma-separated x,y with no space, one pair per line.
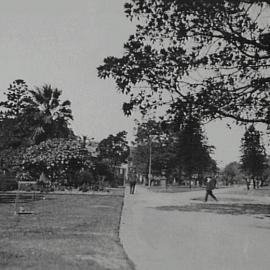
62,42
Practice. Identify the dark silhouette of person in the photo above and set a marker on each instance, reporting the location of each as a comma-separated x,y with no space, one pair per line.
132,182
210,185
247,182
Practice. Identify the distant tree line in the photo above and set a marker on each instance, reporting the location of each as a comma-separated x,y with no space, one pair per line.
181,154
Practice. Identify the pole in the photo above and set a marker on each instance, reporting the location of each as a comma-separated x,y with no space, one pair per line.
150,162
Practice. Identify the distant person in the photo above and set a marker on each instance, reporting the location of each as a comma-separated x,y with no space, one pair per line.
132,182
210,185
248,182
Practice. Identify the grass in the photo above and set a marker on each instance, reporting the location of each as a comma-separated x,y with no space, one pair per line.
241,202
65,232
174,189
261,191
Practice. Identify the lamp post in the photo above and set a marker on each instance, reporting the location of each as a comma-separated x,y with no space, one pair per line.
150,162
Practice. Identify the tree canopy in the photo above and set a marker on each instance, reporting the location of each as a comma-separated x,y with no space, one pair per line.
232,173
253,159
181,152
16,122
51,115
213,53
194,153
58,158
163,148
114,149
31,116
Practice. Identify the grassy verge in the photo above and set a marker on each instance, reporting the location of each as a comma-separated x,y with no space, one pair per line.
65,232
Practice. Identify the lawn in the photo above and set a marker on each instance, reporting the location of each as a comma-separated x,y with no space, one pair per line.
261,191
175,189
65,232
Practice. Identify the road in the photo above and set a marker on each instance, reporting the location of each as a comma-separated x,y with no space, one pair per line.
156,235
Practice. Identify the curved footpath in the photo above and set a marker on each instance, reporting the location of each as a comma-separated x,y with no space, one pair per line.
166,239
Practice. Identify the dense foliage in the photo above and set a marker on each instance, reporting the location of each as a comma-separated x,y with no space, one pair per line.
114,149
31,116
253,159
151,134
52,116
59,158
232,174
194,153
215,54
16,124
177,153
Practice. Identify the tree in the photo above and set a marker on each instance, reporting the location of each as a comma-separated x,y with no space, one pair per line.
163,150
59,158
114,149
51,115
232,173
18,100
30,116
215,52
15,120
253,157
193,150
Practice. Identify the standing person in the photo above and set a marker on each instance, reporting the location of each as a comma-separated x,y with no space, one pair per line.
248,182
210,185
132,182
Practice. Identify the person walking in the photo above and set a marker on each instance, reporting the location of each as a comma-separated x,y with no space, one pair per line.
132,182
210,185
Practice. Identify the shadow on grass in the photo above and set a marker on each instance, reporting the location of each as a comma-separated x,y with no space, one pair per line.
219,208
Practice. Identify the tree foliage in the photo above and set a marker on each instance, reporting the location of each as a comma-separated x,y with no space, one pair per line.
253,159
114,149
52,115
60,159
213,53
163,150
17,100
31,116
15,120
173,151
194,153
232,173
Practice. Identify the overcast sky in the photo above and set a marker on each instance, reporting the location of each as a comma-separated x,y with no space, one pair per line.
61,42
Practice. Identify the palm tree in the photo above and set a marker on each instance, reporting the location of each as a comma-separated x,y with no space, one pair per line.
51,116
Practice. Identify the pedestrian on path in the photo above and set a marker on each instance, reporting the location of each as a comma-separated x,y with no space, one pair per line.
210,185
132,181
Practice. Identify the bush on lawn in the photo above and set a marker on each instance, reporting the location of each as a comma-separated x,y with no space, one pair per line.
59,159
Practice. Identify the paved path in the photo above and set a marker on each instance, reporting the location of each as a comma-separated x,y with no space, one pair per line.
157,239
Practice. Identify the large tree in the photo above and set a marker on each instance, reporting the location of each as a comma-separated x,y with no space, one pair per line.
194,153
213,53
232,173
15,118
51,115
160,139
114,149
253,159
